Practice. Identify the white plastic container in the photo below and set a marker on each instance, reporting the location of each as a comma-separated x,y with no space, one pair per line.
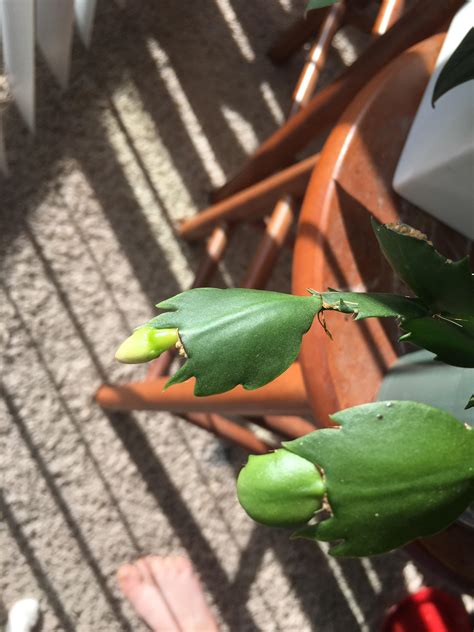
436,167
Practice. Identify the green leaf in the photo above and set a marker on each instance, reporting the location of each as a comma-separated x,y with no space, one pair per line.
319,4
443,285
394,471
236,336
458,69
470,403
372,305
450,340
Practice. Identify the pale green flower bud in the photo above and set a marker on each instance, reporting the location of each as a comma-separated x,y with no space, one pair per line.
280,489
145,344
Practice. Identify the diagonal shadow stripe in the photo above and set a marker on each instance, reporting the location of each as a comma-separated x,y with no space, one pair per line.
127,326
66,302
34,564
33,345
232,605
159,484
251,559
251,556
65,511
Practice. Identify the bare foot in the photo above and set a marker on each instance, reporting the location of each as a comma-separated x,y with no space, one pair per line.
166,594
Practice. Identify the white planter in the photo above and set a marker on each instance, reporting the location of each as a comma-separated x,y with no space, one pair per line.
436,167
419,377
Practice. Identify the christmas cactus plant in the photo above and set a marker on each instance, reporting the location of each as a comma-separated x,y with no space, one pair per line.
387,472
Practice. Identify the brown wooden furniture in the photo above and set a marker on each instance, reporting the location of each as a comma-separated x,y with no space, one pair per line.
417,23
335,247
285,395
148,394
250,202
218,241
277,406
358,14
284,213
253,203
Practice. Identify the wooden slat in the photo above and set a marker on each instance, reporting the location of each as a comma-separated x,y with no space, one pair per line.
284,396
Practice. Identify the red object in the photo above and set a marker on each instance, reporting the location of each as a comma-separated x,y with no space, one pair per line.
428,610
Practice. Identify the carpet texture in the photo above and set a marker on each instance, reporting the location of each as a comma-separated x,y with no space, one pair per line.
165,105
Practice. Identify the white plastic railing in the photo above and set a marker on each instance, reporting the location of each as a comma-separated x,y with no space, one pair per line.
50,23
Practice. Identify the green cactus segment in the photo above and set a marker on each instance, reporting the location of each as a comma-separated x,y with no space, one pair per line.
458,69
280,489
445,286
394,471
236,336
450,340
372,305
146,343
319,4
441,317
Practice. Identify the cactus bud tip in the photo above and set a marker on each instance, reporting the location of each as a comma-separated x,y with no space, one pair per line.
146,343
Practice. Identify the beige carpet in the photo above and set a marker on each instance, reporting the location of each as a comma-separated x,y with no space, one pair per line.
166,104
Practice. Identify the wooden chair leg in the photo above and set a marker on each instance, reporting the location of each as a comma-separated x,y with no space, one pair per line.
308,79
281,220
207,268
268,249
324,109
288,426
284,396
252,203
390,12
215,249
291,182
226,429
284,212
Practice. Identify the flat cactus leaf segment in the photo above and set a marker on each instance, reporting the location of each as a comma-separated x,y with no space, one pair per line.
319,4
445,286
394,471
236,336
